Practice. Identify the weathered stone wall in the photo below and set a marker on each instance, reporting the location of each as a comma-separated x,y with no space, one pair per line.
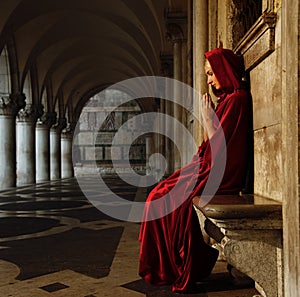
266,95
261,48
266,89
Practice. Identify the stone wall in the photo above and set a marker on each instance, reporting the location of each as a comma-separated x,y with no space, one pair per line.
260,43
266,94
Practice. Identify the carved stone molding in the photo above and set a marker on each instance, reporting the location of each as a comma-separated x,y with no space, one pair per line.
47,119
30,113
243,14
258,257
68,131
10,104
259,42
60,124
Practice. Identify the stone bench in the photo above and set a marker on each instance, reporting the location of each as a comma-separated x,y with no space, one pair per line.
249,230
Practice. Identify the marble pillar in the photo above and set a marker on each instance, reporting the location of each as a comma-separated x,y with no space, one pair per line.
67,169
169,135
166,107
55,154
42,146
7,151
42,152
178,141
26,145
162,147
9,106
177,33
149,167
200,46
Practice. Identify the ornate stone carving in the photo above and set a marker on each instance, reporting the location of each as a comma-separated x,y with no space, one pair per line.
47,119
259,41
68,130
244,14
30,113
60,124
10,104
261,260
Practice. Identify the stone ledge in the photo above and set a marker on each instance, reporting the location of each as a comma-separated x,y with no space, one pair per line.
249,230
240,207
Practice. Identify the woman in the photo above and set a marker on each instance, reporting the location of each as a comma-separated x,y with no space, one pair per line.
173,250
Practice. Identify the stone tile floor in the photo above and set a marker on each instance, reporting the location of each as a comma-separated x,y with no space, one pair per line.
54,242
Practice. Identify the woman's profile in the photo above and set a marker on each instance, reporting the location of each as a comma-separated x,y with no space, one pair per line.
173,250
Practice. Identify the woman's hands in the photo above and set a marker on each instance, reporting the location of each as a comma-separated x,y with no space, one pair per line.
208,113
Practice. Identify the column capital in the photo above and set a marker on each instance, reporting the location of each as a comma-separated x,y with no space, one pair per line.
68,131
60,124
47,119
30,113
10,104
176,24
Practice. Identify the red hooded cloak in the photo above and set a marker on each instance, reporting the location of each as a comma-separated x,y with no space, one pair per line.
172,247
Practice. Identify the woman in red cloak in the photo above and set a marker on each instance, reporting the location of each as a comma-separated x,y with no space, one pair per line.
173,250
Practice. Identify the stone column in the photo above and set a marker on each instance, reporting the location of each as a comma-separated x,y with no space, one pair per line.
177,26
42,147
290,146
184,119
55,149
67,169
9,106
26,145
54,154
162,129
167,71
177,108
161,166
149,167
190,151
200,46
169,134
189,46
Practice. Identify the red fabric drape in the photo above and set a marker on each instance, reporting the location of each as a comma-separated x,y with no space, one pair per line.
172,247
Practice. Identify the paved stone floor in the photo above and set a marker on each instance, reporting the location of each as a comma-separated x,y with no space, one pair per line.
53,242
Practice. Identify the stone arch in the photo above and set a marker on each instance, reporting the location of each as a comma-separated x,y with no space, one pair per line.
5,84
14,66
44,100
27,89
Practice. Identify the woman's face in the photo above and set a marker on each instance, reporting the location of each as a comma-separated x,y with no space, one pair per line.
211,78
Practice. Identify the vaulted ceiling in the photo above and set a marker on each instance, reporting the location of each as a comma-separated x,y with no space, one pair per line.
81,46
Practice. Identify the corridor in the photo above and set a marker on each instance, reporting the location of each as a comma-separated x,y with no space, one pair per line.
53,242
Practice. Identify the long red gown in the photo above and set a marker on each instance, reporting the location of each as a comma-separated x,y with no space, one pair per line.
172,247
